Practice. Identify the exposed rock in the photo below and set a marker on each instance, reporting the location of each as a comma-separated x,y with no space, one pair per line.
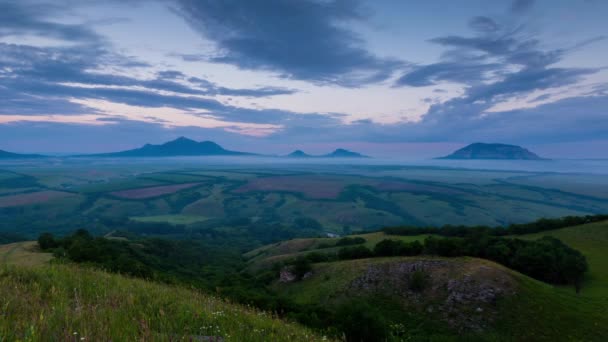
286,275
462,293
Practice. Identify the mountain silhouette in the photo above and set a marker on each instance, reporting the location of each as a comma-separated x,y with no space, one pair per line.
179,147
493,151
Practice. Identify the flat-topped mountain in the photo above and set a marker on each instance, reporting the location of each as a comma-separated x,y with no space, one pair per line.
10,155
493,151
339,153
178,147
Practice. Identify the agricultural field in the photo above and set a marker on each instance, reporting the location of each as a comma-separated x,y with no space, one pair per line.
339,199
171,219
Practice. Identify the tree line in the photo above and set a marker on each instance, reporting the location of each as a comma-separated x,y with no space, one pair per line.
540,225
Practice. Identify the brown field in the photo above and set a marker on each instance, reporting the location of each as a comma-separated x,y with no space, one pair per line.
32,198
154,191
312,186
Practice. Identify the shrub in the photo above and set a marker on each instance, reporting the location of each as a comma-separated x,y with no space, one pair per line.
418,281
358,252
47,241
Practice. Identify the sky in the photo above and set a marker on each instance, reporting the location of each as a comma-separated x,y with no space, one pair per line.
383,77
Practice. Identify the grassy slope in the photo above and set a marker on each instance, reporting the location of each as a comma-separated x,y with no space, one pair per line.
592,241
538,312
267,255
65,302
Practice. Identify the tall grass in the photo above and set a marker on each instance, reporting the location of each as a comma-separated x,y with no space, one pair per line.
71,303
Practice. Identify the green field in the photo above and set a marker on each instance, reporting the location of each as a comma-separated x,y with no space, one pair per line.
171,219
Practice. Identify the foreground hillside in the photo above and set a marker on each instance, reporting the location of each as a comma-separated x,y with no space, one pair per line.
67,302
458,298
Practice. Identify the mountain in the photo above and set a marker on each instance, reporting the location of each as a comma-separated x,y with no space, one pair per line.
178,147
342,153
299,154
10,155
493,151
339,153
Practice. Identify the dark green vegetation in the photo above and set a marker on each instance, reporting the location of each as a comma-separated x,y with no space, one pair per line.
493,151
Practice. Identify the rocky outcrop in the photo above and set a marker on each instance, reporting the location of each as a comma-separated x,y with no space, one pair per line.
462,293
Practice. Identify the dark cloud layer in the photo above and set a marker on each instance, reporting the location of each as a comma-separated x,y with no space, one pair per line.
304,40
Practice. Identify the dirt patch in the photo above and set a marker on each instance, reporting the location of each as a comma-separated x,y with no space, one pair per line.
154,191
463,293
32,198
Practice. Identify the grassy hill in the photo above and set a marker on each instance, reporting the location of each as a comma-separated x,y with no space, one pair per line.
592,240
267,255
66,302
532,311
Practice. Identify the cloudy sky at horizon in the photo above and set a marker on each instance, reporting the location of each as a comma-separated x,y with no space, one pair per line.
384,77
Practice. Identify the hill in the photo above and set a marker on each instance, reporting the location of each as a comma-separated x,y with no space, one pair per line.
592,240
338,153
387,288
493,151
10,155
458,299
66,302
342,153
178,147
299,154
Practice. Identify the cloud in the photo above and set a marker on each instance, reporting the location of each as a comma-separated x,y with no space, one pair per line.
20,20
305,40
483,24
521,6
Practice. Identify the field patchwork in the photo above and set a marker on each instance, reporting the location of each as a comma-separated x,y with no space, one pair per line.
32,198
154,191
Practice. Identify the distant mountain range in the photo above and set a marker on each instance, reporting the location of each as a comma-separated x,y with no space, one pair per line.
178,147
493,151
10,155
339,153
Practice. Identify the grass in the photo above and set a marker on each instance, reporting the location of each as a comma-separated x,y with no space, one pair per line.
23,254
540,312
66,302
171,219
265,256
537,312
592,241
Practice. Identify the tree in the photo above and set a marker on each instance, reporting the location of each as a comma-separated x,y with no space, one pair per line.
47,241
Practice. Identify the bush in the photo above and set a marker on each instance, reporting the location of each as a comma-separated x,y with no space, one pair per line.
358,252
47,241
301,266
361,321
418,281
398,248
